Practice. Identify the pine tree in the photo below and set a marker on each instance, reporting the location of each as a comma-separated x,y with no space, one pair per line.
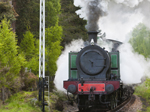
53,35
30,48
73,26
53,8
10,61
53,48
28,11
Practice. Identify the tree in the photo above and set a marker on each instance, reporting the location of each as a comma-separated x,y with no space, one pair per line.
28,11
53,48
7,11
140,40
53,8
52,36
10,61
73,26
30,48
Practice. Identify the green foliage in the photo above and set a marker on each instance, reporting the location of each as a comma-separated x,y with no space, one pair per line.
28,11
73,26
148,109
141,40
53,35
29,19
144,89
20,102
52,11
10,61
30,48
27,45
6,11
53,48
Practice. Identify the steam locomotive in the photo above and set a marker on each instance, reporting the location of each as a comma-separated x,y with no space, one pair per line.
94,75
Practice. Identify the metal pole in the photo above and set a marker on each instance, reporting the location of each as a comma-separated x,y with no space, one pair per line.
42,53
43,108
40,90
42,40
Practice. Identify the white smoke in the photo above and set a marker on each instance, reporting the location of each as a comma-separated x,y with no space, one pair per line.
103,44
120,22
118,25
62,63
122,17
130,3
133,66
144,8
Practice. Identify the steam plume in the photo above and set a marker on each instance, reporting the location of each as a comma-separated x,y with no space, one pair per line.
130,3
93,9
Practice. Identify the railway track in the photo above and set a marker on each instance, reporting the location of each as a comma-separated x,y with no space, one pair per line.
125,105
120,108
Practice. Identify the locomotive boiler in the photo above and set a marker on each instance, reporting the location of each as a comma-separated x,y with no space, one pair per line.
94,75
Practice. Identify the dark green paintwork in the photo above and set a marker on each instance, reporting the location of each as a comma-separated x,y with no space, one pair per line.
73,74
114,61
73,61
72,65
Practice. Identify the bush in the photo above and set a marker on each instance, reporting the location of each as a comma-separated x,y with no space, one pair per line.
30,81
144,90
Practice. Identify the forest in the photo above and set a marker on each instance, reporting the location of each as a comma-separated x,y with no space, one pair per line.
19,50
20,47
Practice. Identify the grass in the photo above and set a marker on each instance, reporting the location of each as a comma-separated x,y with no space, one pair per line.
143,91
23,102
148,109
20,102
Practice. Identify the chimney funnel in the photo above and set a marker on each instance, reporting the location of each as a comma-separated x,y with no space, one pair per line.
92,35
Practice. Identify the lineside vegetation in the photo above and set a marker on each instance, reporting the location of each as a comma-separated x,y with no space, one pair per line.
140,42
